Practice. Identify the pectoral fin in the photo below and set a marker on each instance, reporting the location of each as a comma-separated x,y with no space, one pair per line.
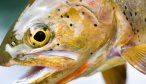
116,75
136,56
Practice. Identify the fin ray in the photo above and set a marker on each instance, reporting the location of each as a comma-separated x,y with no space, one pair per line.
116,75
136,56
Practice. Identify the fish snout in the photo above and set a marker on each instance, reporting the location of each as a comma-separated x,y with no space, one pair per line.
4,57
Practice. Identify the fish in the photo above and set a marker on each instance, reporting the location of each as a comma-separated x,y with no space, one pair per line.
63,40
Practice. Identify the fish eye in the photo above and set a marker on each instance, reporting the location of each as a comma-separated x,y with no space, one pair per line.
38,35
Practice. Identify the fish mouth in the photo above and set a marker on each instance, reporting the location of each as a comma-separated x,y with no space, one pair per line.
44,64
55,59
35,75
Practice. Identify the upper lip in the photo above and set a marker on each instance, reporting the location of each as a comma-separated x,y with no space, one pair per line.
62,53
46,69
55,59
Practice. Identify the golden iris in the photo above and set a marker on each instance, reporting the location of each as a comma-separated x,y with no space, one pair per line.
39,36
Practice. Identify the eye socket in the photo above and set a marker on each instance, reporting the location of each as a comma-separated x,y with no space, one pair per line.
39,35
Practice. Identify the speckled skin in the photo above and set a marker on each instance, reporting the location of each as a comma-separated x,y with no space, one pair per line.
135,12
94,30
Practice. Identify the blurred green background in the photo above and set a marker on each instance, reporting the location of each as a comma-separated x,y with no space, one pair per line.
9,11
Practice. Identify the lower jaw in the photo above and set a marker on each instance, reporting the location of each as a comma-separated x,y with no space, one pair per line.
38,74
35,75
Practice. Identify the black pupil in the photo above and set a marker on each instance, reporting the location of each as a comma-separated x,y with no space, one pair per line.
40,36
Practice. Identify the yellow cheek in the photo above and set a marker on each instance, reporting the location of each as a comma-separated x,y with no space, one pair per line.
36,43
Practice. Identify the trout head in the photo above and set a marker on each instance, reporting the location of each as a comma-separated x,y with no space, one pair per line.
55,35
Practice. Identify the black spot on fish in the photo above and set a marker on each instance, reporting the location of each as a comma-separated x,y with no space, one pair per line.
95,25
130,13
137,30
145,19
113,8
33,44
71,25
135,13
126,7
58,9
14,41
61,16
124,12
58,44
30,34
80,0
83,13
67,16
48,16
91,53
45,29
126,18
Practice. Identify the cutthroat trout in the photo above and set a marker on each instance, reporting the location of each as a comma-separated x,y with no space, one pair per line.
66,39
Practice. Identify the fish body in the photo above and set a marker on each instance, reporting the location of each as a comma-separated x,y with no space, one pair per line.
63,40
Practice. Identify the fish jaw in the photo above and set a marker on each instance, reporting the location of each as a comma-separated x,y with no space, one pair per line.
37,77
55,59
45,65
70,39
